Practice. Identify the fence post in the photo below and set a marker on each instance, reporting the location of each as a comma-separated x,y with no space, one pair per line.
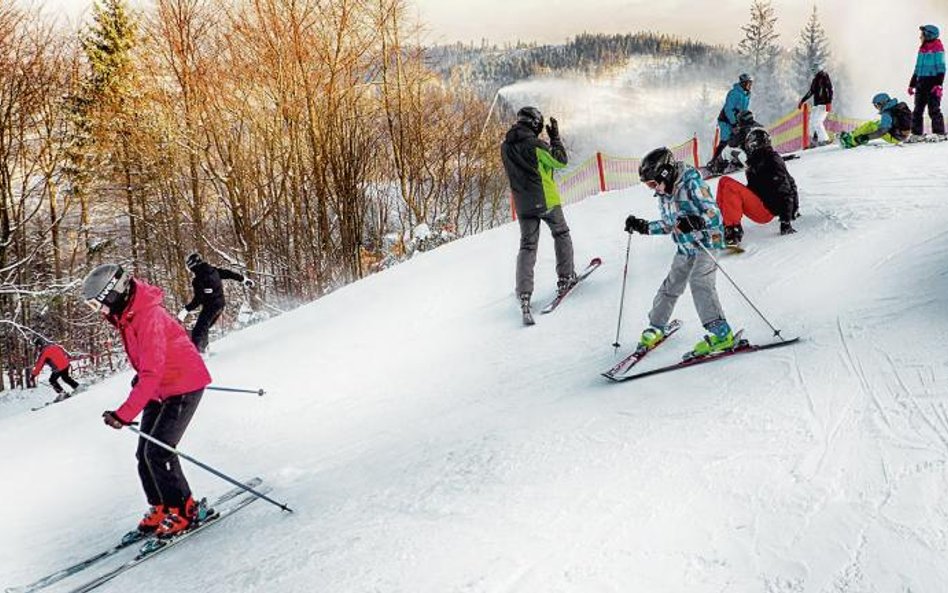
694,149
717,139
806,126
602,172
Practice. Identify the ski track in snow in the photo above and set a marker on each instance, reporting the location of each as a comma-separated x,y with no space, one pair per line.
430,444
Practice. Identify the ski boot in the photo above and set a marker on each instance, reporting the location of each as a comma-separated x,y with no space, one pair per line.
152,519
565,283
525,308
733,233
651,336
178,519
914,139
846,140
720,338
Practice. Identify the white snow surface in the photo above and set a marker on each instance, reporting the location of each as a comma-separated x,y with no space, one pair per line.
430,443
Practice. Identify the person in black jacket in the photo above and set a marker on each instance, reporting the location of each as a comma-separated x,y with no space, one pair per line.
770,191
530,162
209,295
821,90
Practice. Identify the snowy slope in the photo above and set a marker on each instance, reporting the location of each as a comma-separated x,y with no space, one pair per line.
430,444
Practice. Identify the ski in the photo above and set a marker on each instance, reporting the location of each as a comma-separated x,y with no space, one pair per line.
734,249
128,539
622,367
151,549
594,263
742,348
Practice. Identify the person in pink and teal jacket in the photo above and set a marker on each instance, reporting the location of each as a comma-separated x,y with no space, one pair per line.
926,83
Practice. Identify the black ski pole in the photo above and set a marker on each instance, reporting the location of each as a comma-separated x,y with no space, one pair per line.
206,467
236,389
749,302
625,273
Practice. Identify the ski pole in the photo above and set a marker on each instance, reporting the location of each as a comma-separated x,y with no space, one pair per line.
625,274
746,298
203,466
259,392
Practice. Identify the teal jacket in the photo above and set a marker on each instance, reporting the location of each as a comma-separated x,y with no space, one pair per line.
690,195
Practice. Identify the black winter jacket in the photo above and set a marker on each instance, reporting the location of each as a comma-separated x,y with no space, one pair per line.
529,163
821,89
207,285
767,176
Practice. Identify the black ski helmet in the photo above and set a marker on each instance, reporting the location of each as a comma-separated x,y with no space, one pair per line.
531,117
756,139
658,165
107,288
193,260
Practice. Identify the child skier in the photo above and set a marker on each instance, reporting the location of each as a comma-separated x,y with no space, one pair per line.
56,358
690,215
166,391
770,191
894,125
926,84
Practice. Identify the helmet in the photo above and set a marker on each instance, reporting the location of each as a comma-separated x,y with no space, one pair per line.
880,99
193,260
745,78
658,165
929,32
756,139
107,288
531,117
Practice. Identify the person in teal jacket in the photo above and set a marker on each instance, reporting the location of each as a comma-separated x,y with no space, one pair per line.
893,126
736,102
529,163
690,215
926,84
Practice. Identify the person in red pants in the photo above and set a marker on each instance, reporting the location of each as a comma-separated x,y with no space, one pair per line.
770,191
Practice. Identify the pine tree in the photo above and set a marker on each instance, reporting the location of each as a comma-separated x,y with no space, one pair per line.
811,53
762,54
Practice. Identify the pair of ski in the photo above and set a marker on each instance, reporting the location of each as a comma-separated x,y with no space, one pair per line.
593,265
151,545
620,372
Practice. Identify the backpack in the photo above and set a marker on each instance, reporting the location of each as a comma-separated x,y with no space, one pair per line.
901,117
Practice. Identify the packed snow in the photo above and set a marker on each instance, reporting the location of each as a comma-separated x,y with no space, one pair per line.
430,443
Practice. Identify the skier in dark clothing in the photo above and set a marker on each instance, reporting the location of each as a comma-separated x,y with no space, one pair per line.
530,163
166,391
770,191
209,295
926,85
57,359
821,90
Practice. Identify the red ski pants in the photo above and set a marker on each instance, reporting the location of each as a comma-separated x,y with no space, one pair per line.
735,201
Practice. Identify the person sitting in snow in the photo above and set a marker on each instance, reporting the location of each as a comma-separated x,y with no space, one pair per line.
770,191
736,102
166,390
529,163
894,125
58,360
691,216
926,85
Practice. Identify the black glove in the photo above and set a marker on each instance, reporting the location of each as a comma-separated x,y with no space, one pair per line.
861,139
690,223
112,420
786,229
135,380
639,225
553,129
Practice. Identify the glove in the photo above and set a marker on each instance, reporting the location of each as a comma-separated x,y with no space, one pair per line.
861,139
690,223
183,314
638,225
135,380
800,105
911,90
937,91
786,229
553,129
249,283
112,420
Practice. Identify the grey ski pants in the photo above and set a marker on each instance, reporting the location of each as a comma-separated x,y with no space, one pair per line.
698,271
530,236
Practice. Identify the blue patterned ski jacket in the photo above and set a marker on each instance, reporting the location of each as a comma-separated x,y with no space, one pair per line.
690,195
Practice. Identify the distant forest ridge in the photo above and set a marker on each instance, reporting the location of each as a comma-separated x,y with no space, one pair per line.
490,67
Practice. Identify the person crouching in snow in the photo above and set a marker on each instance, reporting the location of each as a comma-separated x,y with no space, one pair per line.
166,391
690,215
894,125
770,190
